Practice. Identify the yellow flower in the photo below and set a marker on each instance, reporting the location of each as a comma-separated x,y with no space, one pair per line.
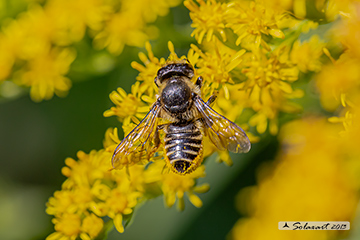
268,85
334,8
44,74
83,173
351,122
347,31
148,72
279,4
207,19
338,83
150,10
215,66
250,20
38,40
175,186
308,179
127,105
66,226
7,58
71,18
119,31
306,55
93,191
91,227
62,202
111,140
121,202
31,34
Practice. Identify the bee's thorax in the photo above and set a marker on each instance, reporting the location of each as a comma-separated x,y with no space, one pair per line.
176,96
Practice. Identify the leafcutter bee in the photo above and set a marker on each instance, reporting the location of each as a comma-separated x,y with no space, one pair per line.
188,118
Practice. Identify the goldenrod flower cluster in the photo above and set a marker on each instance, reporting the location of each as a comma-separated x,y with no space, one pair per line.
313,179
245,51
259,56
37,48
316,173
92,191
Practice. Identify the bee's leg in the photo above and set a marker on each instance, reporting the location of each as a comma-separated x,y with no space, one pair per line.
199,82
212,98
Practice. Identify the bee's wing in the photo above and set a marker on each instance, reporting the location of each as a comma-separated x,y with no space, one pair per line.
137,145
222,132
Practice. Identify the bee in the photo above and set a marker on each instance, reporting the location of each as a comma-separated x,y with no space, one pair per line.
188,118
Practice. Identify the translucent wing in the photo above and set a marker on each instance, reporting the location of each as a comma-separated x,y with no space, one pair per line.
222,132
138,144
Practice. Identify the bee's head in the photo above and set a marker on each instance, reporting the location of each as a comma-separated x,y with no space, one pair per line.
174,69
181,166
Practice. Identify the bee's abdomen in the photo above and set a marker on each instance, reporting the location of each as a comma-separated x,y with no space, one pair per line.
183,142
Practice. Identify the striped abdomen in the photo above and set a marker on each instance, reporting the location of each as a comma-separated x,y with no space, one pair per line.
183,146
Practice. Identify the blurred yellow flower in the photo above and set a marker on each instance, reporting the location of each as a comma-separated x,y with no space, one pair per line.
74,17
150,10
279,4
338,83
120,202
7,58
44,74
67,227
307,181
62,202
306,55
347,30
32,34
334,8
119,31
43,34
91,227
